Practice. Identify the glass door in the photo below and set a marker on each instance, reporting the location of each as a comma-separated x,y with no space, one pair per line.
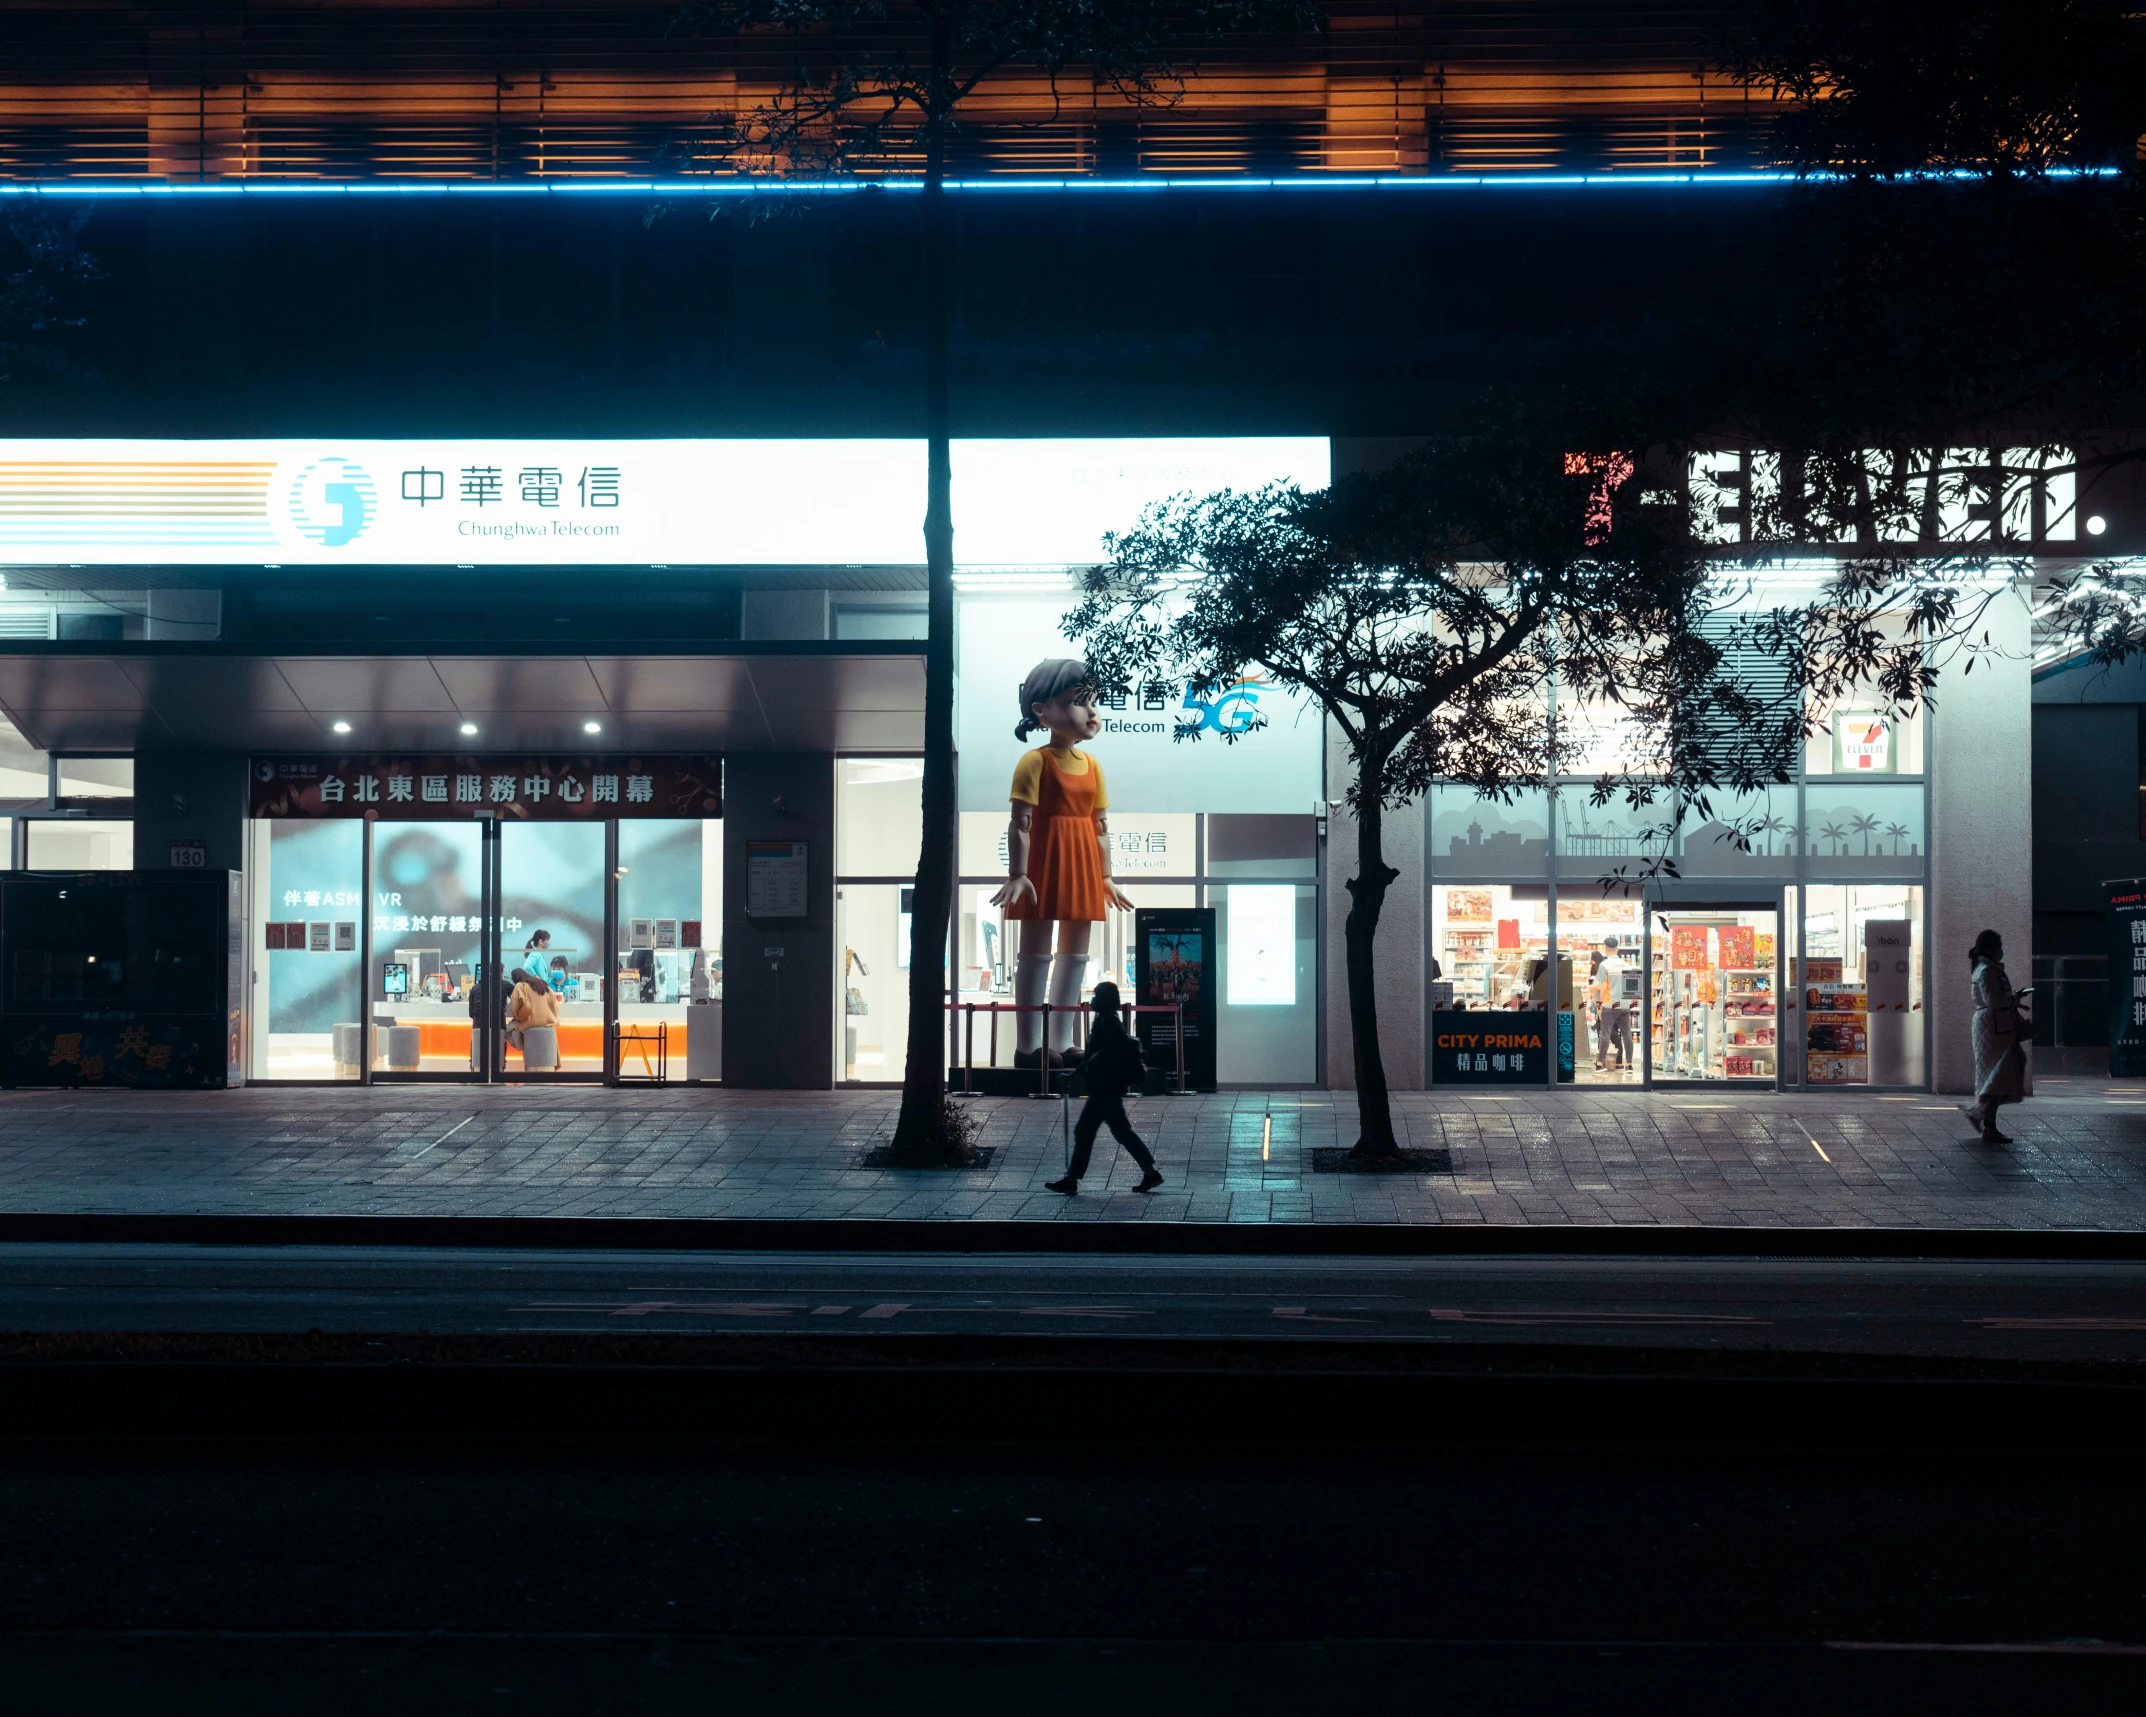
430,904
550,945
1714,994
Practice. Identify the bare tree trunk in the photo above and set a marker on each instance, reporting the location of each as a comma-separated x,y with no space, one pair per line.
921,1134
1367,898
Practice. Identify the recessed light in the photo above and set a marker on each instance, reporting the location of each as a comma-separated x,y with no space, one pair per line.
2096,525
342,727
469,727
592,727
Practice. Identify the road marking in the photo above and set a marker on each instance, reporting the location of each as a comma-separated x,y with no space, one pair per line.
1450,1315
828,1311
450,1133
1080,1312
1304,1314
2063,1323
894,1310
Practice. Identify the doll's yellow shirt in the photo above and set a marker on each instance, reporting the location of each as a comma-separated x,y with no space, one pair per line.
1028,777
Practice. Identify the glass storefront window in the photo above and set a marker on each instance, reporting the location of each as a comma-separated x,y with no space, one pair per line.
1766,821
25,772
308,992
874,920
1862,985
1599,965
1613,839
96,778
879,815
1862,829
1475,836
670,954
1715,1011
428,935
1485,940
78,843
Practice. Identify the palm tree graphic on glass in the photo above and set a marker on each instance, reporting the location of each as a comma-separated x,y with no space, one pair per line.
1896,833
1837,835
1863,826
1770,825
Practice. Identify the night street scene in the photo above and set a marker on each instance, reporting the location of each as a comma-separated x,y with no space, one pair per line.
957,857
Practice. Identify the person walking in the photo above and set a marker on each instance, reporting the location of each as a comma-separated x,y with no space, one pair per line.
1113,1063
2001,1036
1615,1029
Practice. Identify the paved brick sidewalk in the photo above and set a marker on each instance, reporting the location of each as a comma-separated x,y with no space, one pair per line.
1616,1157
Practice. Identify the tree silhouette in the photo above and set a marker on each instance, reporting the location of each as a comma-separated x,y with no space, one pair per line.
1837,835
1898,832
1423,609
1863,825
877,81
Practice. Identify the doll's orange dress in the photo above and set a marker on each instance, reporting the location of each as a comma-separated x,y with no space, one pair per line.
1065,856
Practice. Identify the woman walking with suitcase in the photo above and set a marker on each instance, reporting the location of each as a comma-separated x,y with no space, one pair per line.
1112,1065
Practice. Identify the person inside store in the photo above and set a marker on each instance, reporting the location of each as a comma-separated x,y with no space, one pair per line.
2002,1033
486,999
1615,1030
533,1003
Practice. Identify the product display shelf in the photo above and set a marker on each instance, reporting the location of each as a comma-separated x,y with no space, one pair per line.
1751,1025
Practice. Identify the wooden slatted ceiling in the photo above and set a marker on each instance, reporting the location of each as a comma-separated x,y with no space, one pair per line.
417,89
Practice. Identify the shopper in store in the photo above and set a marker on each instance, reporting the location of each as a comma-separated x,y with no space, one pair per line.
2002,1033
1112,1065
1616,1019
533,1003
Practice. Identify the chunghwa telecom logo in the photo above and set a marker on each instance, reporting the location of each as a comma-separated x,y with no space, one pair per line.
332,501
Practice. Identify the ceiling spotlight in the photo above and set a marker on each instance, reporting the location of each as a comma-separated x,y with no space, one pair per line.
469,728
2096,525
342,727
592,727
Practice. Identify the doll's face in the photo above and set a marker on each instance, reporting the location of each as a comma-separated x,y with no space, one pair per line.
1071,717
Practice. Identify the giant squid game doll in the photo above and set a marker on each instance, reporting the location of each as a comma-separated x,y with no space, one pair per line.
1057,855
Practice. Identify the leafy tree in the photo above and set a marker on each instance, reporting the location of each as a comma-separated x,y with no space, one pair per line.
878,81
1424,610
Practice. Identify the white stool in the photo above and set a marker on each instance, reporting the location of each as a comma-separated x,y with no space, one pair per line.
540,1048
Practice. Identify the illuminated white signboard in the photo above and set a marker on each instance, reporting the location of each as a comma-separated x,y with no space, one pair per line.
580,502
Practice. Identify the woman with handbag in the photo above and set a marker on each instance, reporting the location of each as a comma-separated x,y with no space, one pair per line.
2001,1037
1113,1063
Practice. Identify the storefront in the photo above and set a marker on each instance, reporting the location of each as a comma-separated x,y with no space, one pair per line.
1775,942
418,828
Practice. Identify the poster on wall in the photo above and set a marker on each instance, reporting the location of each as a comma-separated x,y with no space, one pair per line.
1688,947
1174,955
1739,948
2126,909
1166,744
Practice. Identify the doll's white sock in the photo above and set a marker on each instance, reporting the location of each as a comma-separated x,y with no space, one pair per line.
1066,979
1031,978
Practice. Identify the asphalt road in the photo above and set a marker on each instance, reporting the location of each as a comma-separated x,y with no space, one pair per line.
2009,1309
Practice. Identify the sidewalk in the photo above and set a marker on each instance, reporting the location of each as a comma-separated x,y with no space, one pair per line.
1698,1157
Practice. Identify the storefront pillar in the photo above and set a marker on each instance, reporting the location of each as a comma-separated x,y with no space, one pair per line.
778,938
1981,828
183,796
1399,959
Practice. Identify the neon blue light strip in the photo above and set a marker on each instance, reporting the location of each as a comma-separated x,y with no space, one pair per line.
842,187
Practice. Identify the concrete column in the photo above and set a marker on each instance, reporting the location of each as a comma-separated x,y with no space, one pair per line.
190,796
1981,762
779,1007
1399,956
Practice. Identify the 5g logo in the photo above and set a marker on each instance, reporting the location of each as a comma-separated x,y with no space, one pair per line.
1235,709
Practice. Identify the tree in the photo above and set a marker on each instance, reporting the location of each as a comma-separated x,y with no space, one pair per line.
878,80
1425,609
